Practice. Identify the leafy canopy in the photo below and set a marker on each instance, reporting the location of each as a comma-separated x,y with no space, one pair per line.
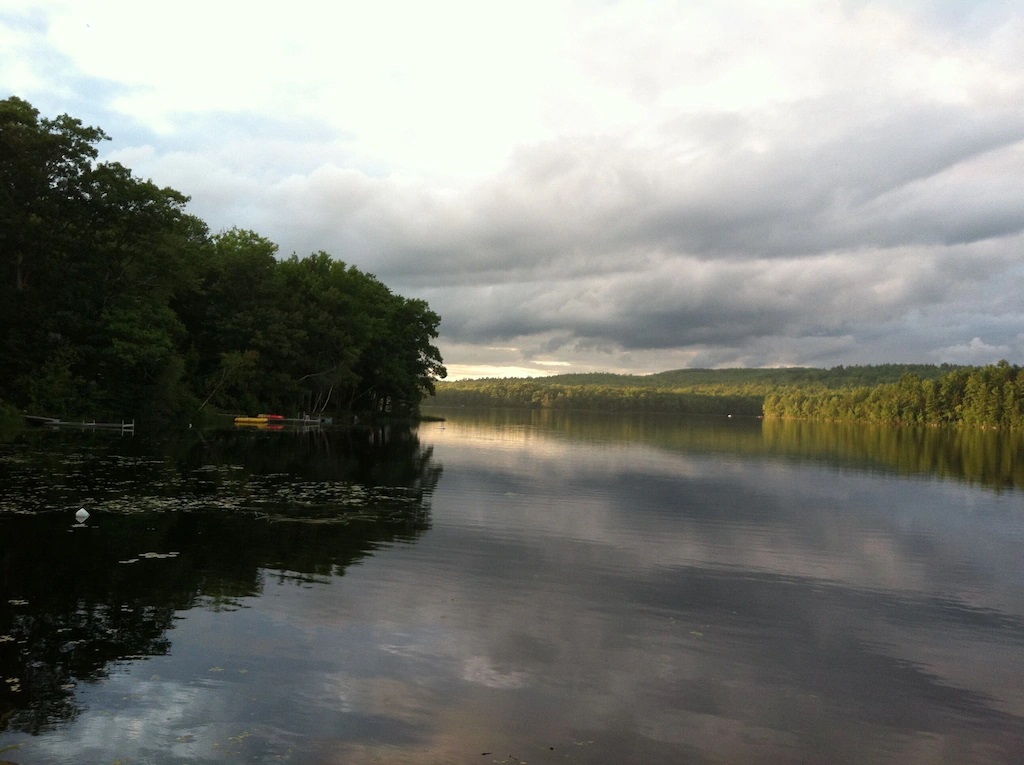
115,301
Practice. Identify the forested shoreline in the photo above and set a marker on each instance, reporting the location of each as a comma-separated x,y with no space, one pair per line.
990,396
115,302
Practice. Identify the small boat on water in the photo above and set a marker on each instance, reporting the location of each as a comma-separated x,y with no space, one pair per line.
251,421
273,421
276,422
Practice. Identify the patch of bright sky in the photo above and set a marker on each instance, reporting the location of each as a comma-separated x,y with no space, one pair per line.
450,89
436,88
473,371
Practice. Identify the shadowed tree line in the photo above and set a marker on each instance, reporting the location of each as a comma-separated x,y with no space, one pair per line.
116,302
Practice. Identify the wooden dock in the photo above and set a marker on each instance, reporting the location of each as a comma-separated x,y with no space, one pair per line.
56,422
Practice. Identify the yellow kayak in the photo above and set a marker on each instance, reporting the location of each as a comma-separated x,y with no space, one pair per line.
250,421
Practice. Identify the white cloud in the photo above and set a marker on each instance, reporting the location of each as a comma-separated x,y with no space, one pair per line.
975,352
443,87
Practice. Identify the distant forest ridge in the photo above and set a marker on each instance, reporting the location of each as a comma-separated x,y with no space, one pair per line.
835,377
932,394
679,379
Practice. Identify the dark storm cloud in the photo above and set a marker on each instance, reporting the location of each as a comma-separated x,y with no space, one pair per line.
604,244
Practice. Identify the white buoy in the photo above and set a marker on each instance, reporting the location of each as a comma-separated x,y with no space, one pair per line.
82,515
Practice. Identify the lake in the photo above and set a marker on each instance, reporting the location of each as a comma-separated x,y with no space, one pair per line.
514,587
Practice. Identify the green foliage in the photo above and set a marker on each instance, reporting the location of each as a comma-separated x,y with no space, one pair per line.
116,302
307,335
990,396
55,387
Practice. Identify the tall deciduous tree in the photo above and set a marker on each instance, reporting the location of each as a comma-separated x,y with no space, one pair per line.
43,164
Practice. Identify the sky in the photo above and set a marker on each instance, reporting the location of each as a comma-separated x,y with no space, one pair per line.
610,186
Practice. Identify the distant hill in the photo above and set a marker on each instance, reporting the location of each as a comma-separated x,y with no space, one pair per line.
835,377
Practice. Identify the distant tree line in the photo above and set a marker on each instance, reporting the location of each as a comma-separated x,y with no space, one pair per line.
990,396
759,379
116,302
542,394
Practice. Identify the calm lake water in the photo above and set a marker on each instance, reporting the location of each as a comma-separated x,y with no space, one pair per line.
514,588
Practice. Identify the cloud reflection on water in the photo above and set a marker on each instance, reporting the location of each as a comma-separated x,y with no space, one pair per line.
607,600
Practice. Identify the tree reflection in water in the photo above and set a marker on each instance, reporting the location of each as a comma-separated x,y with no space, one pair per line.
978,456
177,525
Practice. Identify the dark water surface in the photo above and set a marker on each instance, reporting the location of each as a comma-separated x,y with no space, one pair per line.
514,588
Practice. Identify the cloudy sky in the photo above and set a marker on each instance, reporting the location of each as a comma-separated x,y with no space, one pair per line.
574,186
